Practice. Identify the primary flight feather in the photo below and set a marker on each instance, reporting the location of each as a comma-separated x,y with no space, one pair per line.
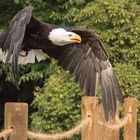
26,39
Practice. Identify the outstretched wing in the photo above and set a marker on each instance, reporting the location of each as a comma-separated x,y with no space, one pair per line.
11,39
89,63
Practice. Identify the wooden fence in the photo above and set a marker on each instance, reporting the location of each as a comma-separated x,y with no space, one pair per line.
16,118
101,131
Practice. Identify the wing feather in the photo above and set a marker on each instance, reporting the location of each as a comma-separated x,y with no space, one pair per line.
89,63
73,65
68,56
11,39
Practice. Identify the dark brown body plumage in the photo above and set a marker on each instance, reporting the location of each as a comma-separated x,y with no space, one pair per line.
88,60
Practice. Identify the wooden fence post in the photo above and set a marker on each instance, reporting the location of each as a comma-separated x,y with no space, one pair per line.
88,106
130,130
16,116
105,133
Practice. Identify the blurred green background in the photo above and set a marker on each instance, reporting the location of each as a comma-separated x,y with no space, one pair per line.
54,98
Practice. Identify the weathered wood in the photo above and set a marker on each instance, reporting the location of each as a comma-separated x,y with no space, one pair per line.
130,130
16,116
88,107
105,133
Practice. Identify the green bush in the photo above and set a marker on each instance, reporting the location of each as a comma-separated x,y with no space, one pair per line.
52,90
57,103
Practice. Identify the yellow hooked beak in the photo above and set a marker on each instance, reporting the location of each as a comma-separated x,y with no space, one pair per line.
76,38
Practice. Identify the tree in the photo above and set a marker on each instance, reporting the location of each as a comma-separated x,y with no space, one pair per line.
118,25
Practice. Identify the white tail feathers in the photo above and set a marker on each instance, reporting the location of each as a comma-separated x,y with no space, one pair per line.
2,56
30,57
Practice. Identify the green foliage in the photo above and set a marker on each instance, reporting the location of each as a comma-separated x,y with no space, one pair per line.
57,97
58,101
129,77
118,24
34,72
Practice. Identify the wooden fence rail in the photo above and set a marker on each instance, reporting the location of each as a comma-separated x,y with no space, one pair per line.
16,118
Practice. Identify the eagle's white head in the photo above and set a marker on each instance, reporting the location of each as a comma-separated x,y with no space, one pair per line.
61,37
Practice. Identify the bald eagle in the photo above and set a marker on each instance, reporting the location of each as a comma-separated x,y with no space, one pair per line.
26,39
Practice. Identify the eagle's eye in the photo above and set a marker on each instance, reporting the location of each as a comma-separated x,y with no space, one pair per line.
70,34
